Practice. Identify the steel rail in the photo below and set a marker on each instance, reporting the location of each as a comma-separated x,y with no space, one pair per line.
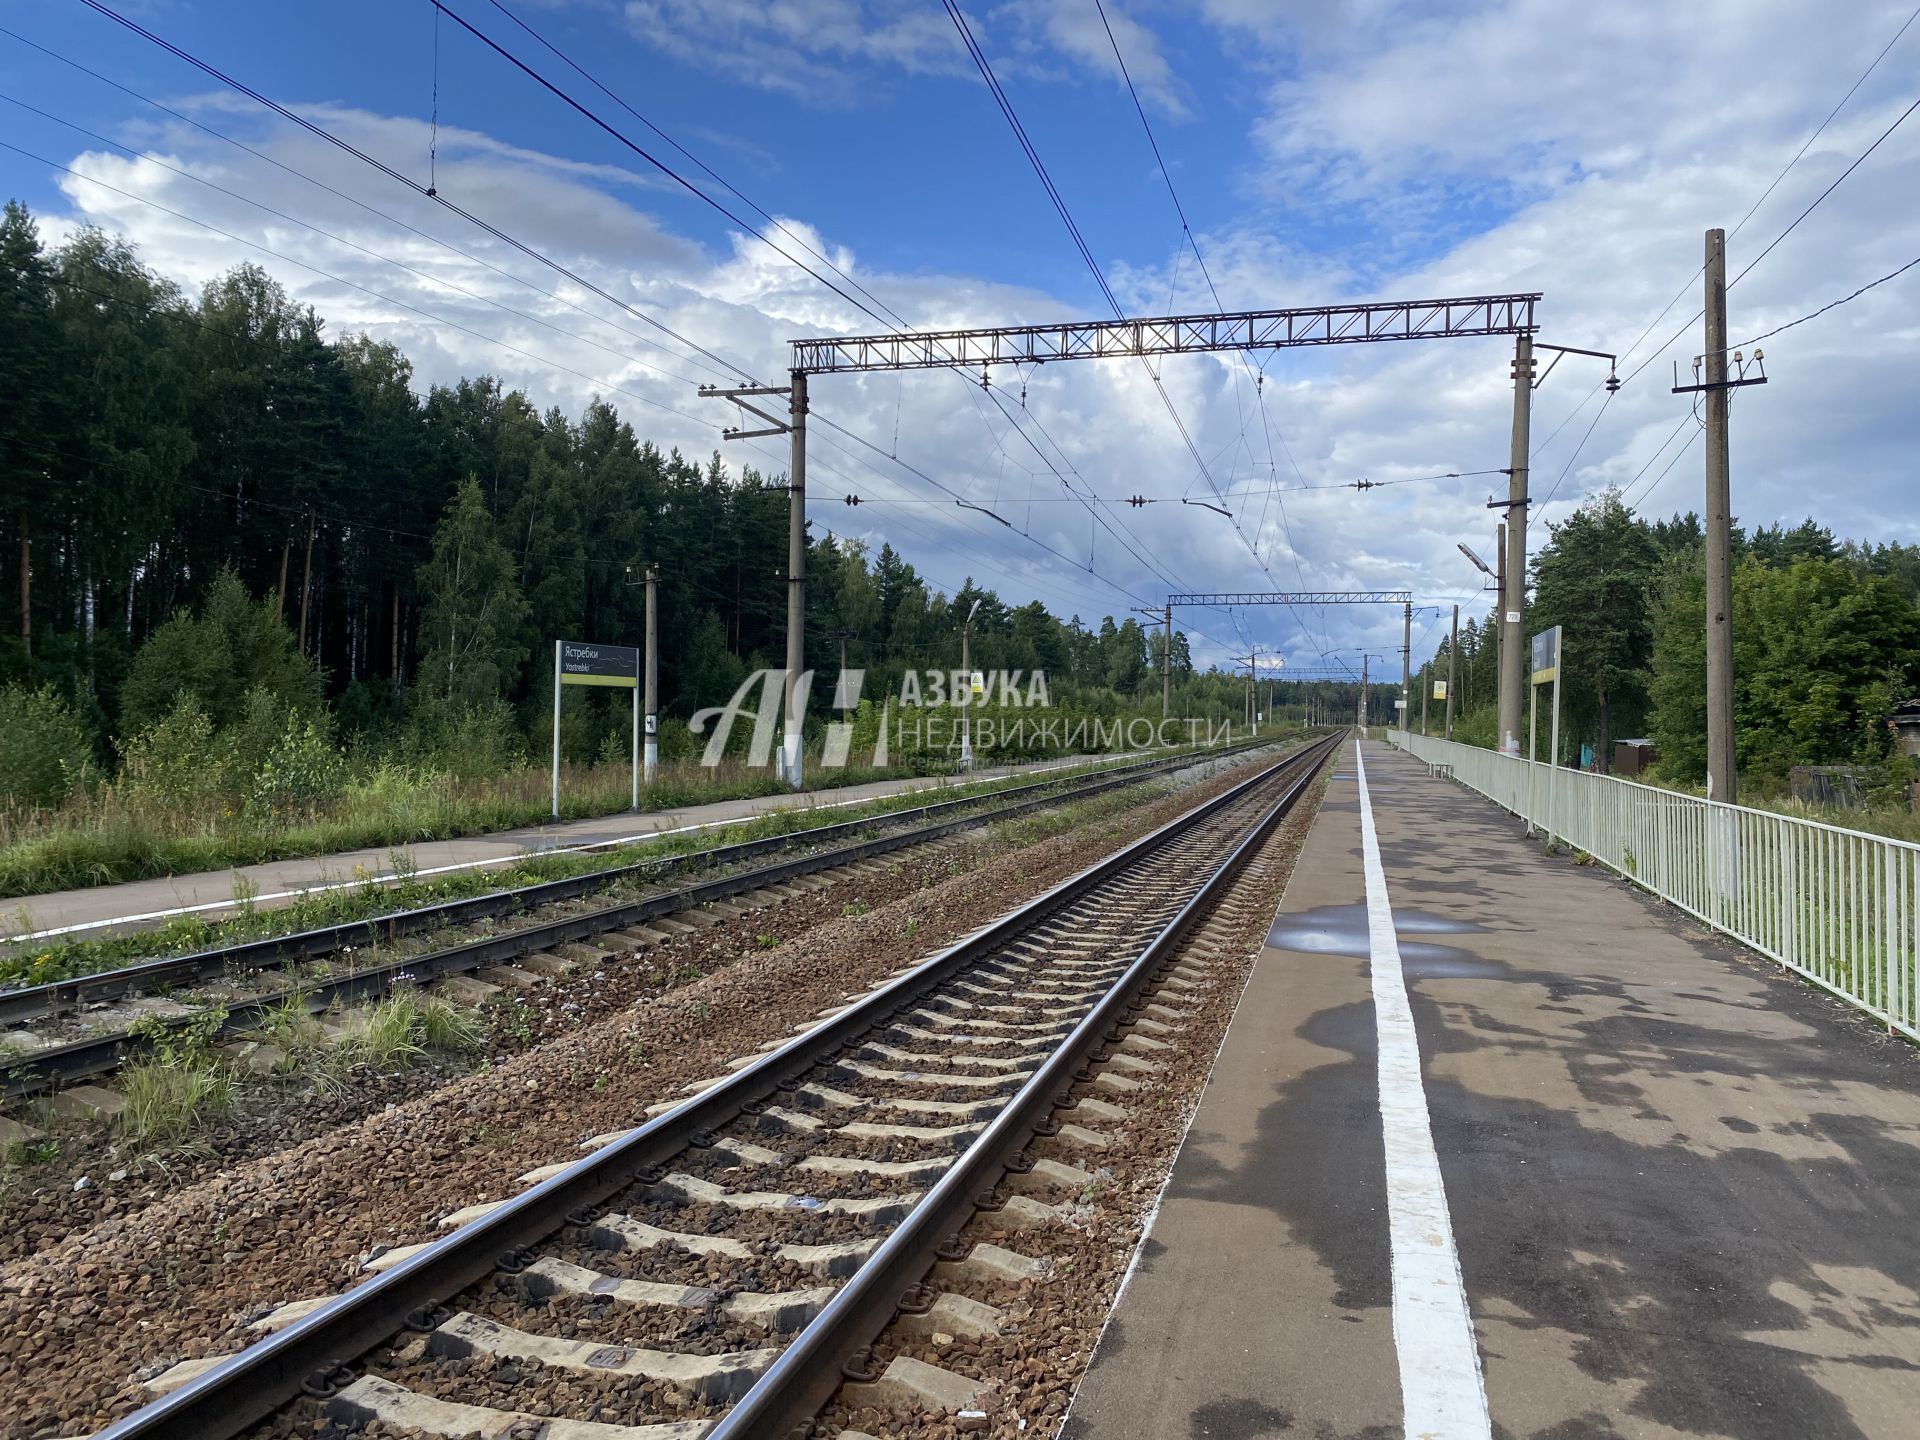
55,997
57,1065
312,1353
808,1370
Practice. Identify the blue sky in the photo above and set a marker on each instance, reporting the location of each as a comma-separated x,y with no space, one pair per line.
1379,148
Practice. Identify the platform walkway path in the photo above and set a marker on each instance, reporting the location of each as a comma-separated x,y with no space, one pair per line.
107,909
1681,1190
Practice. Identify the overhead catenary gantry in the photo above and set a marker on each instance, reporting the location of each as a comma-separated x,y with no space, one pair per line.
1303,326
1171,335
1290,598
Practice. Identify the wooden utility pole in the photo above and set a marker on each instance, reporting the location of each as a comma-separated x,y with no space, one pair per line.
306,584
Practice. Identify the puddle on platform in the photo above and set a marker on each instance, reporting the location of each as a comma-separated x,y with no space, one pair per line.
1342,930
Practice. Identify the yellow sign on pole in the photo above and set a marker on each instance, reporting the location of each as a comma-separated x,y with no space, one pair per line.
1546,656
1439,689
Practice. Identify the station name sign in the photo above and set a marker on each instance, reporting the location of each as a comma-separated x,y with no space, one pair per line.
584,664
1546,656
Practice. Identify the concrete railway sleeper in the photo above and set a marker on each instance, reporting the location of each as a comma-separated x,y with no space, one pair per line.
38,1063
786,1212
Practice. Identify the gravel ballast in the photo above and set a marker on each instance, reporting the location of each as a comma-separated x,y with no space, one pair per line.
1053,1322
170,1272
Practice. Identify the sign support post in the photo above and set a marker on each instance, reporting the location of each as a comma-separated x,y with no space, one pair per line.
652,679
556,728
1545,668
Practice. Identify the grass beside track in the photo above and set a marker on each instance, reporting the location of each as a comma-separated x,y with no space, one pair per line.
67,958
99,841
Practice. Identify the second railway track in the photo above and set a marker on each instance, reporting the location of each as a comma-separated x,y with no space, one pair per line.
69,1031
716,1271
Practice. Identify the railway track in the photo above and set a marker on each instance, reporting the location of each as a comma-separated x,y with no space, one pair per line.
715,1272
69,1031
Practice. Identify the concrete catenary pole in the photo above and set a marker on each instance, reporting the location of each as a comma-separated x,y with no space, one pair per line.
651,704
1500,598
1453,650
966,695
1406,667
1363,693
794,697
1513,585
1166,667
1720,775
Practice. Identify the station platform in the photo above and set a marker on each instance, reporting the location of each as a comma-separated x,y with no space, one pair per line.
1498,1145
94,911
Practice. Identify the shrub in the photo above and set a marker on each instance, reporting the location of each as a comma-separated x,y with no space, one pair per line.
45,752
234,647
302,769
467,741
175,766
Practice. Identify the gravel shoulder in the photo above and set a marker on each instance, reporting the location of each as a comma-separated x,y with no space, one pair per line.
172,1266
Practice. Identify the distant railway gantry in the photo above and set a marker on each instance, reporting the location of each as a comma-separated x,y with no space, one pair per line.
1172,335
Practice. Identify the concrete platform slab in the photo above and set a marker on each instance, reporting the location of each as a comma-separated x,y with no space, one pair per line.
1679,1189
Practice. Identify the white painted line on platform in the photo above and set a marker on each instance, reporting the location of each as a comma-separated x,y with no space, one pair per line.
1441,1391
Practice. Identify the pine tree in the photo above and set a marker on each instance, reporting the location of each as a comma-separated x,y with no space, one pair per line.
474,623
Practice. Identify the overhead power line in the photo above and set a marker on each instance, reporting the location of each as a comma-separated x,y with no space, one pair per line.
552,295
1752,209
1830,305
728,370
338,279
1857,161
1186,229
877,310
1079,242
342,240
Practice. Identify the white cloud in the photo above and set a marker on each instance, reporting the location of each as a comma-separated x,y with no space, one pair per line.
845,53
1594,190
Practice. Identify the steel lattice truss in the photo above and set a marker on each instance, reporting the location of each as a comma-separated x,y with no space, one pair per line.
1172,335
1296,597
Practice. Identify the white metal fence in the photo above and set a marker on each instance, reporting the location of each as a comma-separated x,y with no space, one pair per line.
1840,907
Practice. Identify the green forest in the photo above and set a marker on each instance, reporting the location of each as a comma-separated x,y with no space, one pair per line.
266,596
1826,646
261,578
